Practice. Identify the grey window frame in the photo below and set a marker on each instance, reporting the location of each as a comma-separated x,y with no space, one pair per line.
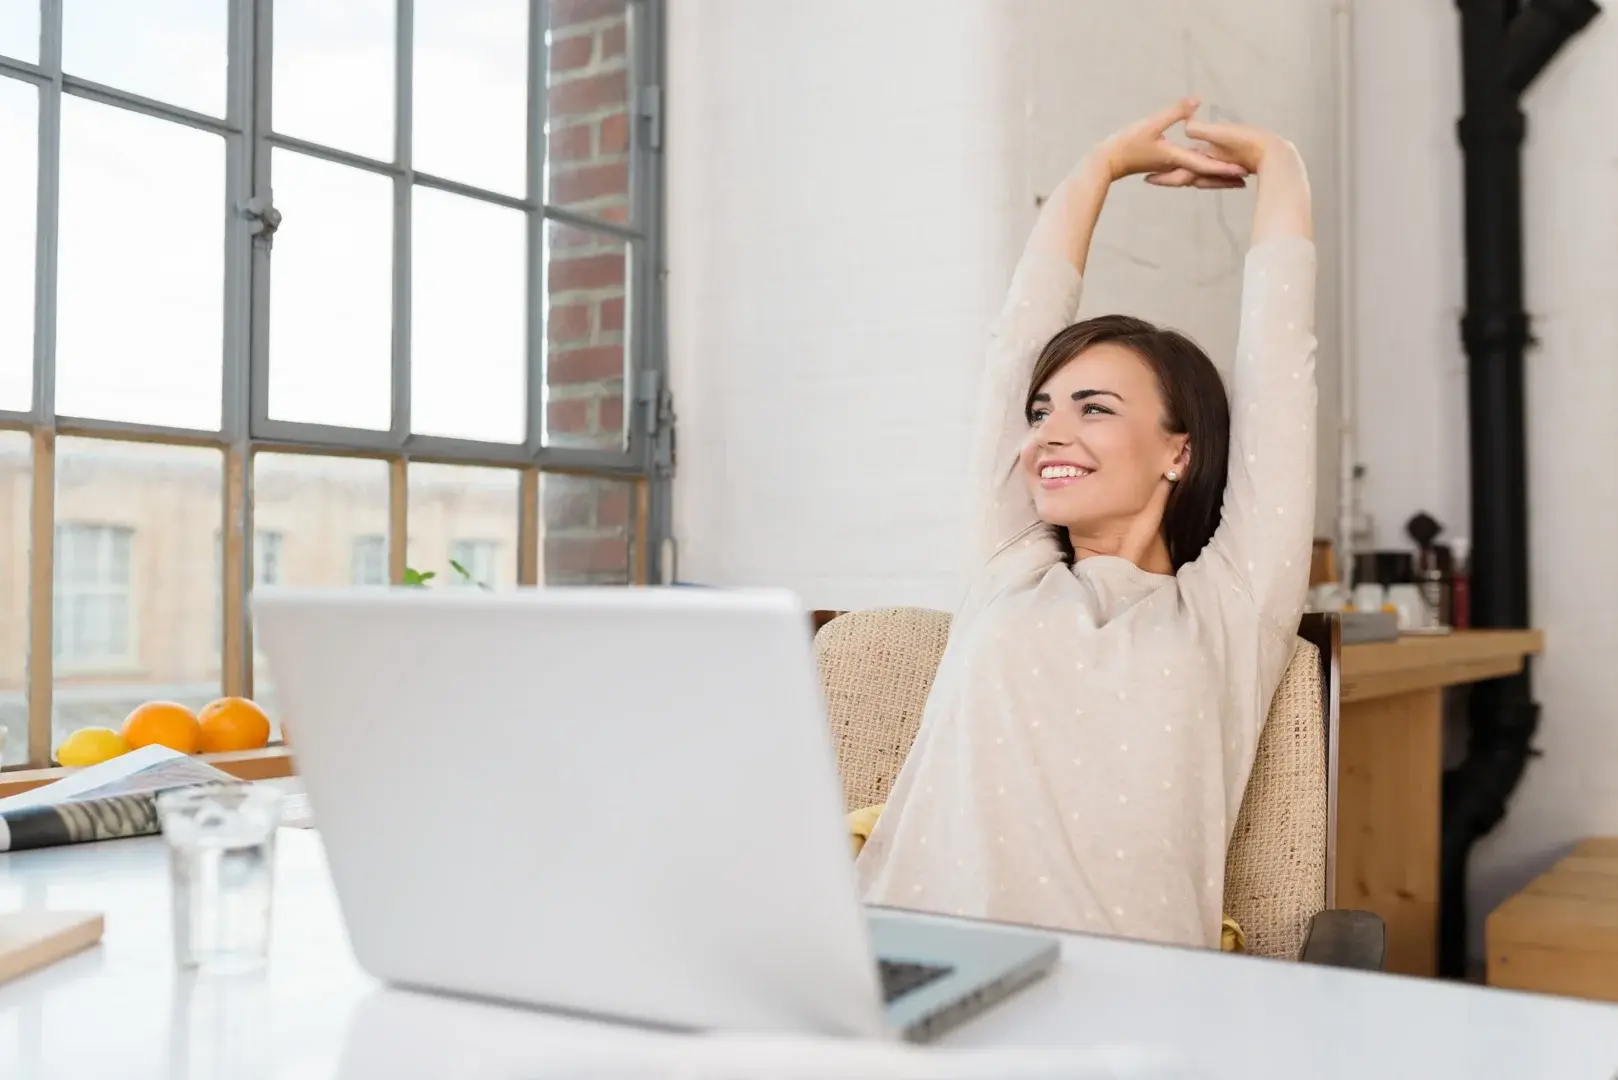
247,292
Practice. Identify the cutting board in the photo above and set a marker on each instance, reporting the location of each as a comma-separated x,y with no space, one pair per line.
34,937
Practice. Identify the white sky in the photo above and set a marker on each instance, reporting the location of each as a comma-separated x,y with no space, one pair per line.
141,249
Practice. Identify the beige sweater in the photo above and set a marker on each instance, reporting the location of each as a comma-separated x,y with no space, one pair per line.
1091,729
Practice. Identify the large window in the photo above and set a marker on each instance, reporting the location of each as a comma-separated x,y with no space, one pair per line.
317,292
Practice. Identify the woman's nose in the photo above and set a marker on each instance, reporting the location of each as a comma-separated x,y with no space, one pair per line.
1054,432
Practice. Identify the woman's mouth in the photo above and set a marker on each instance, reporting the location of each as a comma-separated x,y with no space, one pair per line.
1058,475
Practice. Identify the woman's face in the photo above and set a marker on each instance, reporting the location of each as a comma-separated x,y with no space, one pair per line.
1097,447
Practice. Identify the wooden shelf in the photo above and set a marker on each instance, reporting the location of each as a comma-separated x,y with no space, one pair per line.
270,763
1382,669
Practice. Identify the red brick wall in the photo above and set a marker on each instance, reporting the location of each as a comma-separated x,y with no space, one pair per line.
588,529
587,521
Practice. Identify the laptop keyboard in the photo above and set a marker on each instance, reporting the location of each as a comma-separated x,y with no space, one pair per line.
900,978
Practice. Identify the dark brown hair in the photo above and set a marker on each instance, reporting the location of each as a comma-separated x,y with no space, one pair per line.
1194,405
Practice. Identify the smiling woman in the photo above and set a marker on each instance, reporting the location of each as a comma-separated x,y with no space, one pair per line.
1143,413
1144,558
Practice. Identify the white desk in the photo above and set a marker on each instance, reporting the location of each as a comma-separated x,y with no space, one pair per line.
121,1011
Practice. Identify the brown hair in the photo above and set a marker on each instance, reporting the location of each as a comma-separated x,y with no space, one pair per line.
1194,405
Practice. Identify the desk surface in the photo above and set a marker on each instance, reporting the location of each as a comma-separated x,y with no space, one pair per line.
121,1010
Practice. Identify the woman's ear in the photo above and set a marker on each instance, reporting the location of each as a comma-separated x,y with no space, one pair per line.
1182,454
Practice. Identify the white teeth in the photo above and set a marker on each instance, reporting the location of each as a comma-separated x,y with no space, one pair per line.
1057,472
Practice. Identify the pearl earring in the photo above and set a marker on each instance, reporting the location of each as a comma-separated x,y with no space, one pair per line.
1171,476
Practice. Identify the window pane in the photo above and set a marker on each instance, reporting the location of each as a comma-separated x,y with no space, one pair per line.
318,508
466,329
333,77
587,110
331,295
19,182
134,593
19,29
140,285
470,107
463,515
588,524
169,50
586,317
16,489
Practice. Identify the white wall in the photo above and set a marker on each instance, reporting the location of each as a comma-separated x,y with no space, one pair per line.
849,186
1412,386
837,176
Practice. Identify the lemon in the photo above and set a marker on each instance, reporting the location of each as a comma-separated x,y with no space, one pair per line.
90,746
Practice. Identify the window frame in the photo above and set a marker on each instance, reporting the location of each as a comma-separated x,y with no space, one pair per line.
246,428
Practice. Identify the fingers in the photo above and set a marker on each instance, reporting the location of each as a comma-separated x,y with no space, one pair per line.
1172,178
1181,178
1218,153
1200,163
1184,109
1229,141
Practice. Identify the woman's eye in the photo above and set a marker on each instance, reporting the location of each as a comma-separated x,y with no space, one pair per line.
1037,415
1096,410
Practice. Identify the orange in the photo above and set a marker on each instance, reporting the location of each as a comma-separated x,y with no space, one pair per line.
165,723
233,723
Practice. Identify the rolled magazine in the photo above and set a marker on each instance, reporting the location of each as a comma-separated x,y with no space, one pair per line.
109,801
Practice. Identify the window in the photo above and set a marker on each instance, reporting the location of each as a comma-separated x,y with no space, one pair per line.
477,558
267,557
370,560
298,290
90,625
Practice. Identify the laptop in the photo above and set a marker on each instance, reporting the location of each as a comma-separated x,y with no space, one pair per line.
620,803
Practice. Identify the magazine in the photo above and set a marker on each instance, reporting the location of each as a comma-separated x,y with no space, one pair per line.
115,799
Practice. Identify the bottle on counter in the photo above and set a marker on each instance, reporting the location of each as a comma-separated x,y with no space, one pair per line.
1460,583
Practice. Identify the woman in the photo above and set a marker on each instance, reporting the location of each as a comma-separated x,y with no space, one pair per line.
1144,561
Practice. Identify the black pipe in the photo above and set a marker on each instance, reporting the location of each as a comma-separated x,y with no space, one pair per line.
1544,27
1502,50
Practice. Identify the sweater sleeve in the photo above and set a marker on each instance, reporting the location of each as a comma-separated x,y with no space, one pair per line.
1262,544
1043,299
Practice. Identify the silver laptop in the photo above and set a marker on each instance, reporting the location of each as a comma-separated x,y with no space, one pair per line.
615,802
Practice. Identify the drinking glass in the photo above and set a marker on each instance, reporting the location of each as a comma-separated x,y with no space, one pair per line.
221,841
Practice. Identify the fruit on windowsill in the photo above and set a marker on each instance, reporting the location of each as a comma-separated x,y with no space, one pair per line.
165,723
90,746
232,723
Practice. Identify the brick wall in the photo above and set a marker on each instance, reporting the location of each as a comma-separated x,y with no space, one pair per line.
588,529
587,520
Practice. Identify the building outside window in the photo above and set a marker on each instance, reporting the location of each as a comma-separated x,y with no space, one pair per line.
478,558
91,612
370,560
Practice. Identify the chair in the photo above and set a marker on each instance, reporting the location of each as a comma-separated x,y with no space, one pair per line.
877,667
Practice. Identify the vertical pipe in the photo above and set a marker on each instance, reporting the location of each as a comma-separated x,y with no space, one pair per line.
1347,313
1502,48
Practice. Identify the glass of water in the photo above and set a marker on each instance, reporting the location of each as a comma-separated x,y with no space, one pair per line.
221,841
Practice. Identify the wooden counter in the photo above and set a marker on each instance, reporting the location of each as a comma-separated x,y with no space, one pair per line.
1391,770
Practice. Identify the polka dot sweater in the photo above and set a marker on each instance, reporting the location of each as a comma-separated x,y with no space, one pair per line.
1091,729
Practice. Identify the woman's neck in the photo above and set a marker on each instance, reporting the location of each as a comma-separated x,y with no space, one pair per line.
1147,551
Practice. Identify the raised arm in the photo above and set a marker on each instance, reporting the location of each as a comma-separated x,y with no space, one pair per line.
1044,298
1263,541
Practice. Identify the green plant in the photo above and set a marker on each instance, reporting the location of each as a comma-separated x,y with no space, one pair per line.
419,578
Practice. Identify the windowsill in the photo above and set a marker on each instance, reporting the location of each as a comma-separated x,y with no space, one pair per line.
104,669
269,763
